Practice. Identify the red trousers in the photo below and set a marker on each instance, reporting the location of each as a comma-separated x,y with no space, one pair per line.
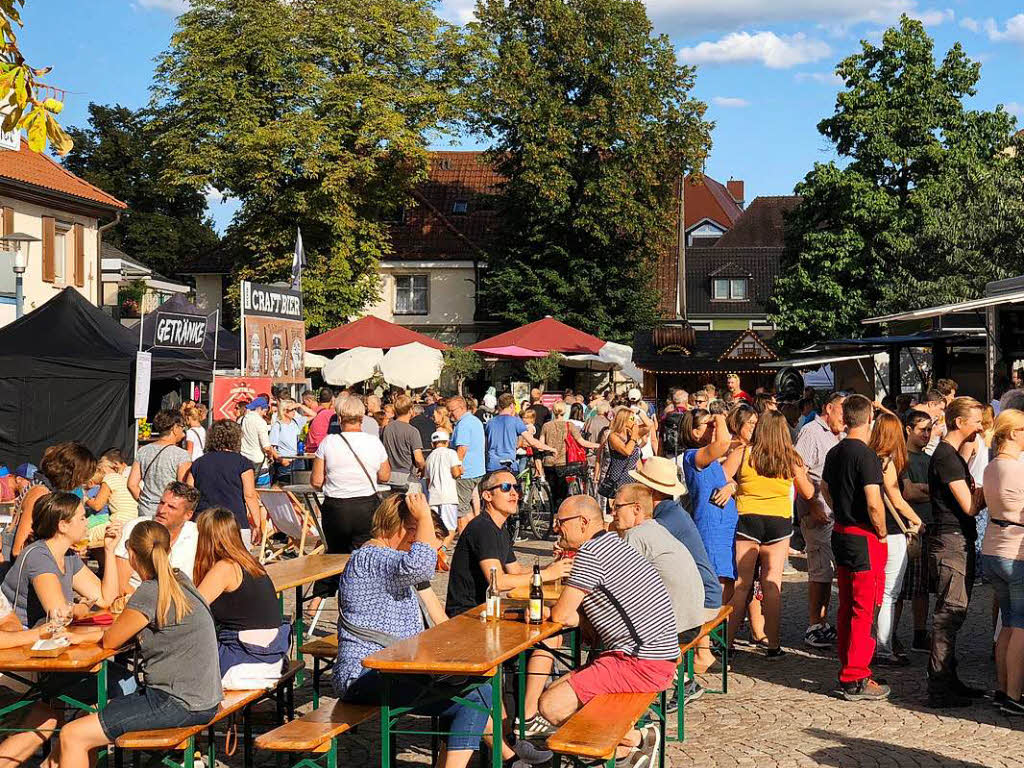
860,566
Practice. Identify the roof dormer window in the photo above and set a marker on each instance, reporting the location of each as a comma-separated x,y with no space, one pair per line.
460,206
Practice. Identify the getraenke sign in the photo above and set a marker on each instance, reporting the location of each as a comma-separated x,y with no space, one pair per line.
179,331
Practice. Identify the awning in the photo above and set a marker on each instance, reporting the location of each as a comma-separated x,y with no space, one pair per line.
814,362
948,309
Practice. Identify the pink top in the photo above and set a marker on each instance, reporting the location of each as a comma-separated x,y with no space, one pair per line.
1004,495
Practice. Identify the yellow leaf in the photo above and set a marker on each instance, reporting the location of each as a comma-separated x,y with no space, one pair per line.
37,131
54,106
10,121
59,140
20,89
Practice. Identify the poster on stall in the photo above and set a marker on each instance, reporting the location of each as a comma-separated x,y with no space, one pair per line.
229,390
274,333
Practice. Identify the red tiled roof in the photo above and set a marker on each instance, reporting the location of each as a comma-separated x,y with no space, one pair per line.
761,225
37,169
709,199
431,229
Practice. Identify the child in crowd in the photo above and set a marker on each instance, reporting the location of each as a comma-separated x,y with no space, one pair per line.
112,501
442,469
195,433
116,459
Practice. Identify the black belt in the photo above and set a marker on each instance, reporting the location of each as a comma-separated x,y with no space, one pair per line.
1004,523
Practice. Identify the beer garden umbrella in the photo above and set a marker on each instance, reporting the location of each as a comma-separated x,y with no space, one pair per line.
412,366
352,366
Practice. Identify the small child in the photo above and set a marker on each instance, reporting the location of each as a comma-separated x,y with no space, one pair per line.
113,494
442,469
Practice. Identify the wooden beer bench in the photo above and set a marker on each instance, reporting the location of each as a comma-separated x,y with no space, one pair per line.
718,630
597,728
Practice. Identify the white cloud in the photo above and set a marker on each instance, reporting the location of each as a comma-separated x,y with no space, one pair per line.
170,6
934,16
702,15
774,51
1012,31
825,78
1014,108
457,11
213,196
729,102
970,24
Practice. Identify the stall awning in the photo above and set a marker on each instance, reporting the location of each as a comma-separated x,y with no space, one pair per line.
814,362
948,309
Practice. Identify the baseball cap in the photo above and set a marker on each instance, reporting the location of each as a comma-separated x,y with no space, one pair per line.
259,402
4,471
439,437
634,394
26,470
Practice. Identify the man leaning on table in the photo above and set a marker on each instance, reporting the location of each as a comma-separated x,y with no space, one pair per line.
624,600
485,544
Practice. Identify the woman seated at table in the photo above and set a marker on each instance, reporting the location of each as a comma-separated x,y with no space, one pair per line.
378,606
252,641
178,647
48,573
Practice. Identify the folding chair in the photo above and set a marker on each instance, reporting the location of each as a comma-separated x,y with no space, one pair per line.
289,516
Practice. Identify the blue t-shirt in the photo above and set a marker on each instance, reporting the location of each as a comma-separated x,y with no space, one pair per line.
469,431
503,433
670,513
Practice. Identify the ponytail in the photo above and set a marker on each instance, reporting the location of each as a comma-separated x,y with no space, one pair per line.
150,542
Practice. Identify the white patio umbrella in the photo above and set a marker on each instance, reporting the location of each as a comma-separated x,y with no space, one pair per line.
611,357
412,365
315,362
352,366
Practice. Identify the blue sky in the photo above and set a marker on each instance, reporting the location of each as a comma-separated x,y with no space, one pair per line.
764,66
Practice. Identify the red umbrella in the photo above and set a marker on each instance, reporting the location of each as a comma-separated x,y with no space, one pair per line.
547,335
369,331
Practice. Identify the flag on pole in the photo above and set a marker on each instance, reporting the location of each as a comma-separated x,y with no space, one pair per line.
298,261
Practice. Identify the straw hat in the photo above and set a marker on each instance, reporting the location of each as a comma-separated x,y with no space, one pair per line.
660,474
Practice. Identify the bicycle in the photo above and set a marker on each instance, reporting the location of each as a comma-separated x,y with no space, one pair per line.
535,509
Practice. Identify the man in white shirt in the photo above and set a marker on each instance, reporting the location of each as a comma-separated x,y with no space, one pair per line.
177,505
256,434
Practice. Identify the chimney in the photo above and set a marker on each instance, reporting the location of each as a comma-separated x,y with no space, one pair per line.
735,187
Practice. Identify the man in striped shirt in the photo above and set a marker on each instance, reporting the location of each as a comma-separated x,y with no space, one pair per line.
624,599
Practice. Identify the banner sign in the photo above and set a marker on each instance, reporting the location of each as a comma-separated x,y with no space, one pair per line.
229,390
179,331
274,333
143,376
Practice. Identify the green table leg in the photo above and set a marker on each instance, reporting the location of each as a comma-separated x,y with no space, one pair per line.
300,630
385,724
496,731
521,698
101,702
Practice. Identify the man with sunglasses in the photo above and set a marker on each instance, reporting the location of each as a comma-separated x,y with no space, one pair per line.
626,603
485,544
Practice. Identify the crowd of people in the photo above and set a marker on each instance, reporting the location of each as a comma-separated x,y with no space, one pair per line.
691,506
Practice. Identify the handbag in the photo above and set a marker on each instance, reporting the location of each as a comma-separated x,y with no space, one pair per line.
381,496
913,539
574,452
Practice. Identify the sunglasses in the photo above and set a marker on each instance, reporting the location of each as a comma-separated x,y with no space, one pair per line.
504,487
558,522
623,504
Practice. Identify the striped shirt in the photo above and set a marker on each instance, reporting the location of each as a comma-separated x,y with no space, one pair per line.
626,601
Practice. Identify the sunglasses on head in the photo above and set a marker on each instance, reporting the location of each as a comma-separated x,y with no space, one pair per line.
504,487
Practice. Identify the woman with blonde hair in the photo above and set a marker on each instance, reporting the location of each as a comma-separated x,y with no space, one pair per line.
557,433
442,418
888,443
766,474
178,647
624,443
243,602
1002,553
195,433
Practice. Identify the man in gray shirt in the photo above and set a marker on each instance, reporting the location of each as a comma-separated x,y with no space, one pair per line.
634,521
403,444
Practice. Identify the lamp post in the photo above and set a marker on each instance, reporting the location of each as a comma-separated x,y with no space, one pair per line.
19,242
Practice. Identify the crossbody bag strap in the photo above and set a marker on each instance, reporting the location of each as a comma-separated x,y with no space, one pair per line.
889,506
153,462
362,466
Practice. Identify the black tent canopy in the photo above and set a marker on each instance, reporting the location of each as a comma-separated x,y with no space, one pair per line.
65,374
194,364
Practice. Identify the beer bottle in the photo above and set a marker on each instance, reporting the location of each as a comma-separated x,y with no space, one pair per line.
493,598
534,615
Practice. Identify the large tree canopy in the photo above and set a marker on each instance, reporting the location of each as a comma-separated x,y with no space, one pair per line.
928,207
312,113
592,124
164,224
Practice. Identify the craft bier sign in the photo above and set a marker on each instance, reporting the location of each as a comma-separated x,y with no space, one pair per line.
273,333
179,331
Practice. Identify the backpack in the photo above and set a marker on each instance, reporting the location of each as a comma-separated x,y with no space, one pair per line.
574,452
671,446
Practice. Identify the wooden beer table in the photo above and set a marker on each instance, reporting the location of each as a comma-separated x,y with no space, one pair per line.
462,646
551,592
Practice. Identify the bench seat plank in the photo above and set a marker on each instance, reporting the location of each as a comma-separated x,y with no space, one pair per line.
705,629
323,647
598,728
313,732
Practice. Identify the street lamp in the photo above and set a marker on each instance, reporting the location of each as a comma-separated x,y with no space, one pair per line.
20,244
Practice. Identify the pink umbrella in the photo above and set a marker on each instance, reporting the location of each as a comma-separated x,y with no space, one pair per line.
510,351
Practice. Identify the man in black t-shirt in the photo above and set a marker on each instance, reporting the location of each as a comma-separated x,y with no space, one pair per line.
485,544
955,503
851,484
539,409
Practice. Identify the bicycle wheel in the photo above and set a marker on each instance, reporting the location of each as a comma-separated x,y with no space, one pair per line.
540,511
514,527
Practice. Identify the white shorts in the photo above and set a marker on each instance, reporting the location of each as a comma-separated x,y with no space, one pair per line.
449,514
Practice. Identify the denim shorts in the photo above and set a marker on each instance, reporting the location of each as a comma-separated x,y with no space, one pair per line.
1007,579
148,709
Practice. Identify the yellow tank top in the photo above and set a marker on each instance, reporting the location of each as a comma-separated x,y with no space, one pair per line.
122,504
759,495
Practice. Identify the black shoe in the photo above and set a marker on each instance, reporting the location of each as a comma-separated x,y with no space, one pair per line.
966,691
998,698
692,691
891,660
1012,708
947,701
774,653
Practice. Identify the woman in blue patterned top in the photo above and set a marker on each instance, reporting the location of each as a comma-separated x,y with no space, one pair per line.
378,606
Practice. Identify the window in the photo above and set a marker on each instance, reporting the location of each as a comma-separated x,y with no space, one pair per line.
761,325
60,251
411,294
701,325
729,289
460,206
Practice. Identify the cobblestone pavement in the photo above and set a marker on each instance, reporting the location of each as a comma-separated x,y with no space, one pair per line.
782,714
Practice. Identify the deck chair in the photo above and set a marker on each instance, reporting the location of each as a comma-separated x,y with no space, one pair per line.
289,516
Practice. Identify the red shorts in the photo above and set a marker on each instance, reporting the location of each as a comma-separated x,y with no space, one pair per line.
617,672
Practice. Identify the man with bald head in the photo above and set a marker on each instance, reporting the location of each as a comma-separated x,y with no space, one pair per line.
624,599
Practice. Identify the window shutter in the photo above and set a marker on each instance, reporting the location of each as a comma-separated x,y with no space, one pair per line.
48,236
8,220
79,255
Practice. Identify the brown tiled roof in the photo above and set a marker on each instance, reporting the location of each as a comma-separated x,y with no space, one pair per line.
432,229
707,354
37,169
709,199
759,264
761,225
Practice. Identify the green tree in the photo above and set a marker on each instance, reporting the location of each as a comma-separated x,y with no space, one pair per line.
460,364
311,113
592,124
927,208
164,223
545,370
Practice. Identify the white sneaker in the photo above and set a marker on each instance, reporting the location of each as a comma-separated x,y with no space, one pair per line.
536,726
